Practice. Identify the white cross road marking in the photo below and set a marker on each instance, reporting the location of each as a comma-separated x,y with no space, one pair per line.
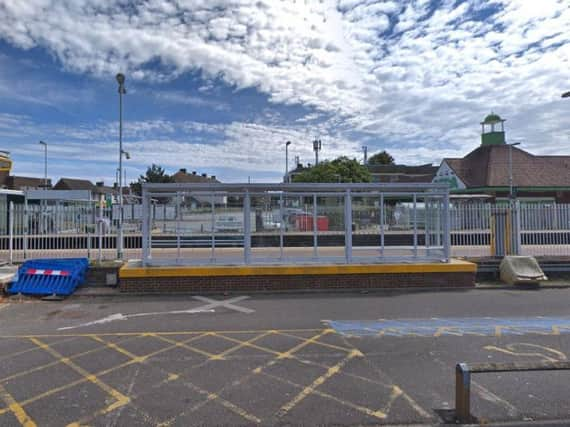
228,303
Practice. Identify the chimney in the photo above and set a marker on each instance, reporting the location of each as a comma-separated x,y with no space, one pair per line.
204,175
99,183
183,170
213,177
193,172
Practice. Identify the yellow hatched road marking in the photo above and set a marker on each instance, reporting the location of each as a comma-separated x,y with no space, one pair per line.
120,398
305,343
360,408
186,346
222,355
16,408
323,344
210,396
317,382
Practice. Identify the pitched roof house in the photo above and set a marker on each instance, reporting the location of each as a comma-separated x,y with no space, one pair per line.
488,169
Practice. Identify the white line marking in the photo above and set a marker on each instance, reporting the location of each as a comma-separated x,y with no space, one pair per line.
228,303
120,316
3,305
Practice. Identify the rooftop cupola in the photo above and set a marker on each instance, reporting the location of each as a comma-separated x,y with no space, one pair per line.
493,130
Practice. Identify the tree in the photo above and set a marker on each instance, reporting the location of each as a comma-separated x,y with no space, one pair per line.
154,173
381,158
341,169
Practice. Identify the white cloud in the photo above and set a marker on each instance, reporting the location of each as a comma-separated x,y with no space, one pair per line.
395,71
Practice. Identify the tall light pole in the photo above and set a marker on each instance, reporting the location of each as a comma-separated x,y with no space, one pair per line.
316,148
287,144
514,144
45,164
121,81
566,95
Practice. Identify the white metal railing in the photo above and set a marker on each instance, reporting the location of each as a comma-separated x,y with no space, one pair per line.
281,226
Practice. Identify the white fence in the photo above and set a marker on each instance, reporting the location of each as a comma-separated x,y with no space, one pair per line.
85,230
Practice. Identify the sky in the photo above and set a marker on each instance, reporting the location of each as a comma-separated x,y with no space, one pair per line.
219,86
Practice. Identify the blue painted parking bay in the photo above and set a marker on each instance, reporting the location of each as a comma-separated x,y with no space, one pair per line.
435,327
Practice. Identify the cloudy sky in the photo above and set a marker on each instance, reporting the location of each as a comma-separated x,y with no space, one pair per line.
218,86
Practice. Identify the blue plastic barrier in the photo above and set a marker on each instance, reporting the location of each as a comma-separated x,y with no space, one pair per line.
50,276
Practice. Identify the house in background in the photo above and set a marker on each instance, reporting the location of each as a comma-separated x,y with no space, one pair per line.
485,170
197,200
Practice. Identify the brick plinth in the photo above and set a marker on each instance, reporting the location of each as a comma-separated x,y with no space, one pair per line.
218,284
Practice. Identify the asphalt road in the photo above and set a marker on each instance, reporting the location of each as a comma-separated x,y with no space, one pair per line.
321,359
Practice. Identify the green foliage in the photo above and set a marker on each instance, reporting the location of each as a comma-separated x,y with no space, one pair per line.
155,174
341,169
381,158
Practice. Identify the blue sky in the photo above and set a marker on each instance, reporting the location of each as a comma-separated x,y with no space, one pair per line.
218,86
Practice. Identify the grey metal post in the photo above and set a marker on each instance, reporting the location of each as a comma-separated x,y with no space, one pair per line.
517,227
100,231
281,225
247,228
213,232
177,227
382,213
446,232
348,227
315,225
121,80
11,233
415,204
26,231
462,393
145,227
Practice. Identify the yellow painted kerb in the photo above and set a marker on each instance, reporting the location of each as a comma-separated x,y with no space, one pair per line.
455,266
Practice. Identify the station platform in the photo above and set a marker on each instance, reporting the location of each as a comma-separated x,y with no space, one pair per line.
251,278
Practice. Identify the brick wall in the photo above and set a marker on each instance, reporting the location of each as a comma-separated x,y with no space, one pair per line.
297,282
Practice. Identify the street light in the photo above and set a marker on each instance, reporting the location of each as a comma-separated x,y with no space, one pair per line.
514,144
566,95
45,164
121,81
287,144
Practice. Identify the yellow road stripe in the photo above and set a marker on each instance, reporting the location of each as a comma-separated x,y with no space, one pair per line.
118,396
305,343
148,333
222,355
317,382
186,346
34,348
360,408
210,396
16,408
324,344
55,362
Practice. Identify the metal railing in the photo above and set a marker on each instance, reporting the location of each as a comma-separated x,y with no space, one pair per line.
463,373
381,224
296,223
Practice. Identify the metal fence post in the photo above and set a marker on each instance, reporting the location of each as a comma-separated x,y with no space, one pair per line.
446,227
145,226
517,250
247,228
11,233
315,227
462,393
415,216
382,214
281,225
348,226
26,223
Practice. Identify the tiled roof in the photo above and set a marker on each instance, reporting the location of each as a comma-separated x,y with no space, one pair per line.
21,182
183,177
73,184
488,166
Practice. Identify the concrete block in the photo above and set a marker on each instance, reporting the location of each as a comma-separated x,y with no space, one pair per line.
518,270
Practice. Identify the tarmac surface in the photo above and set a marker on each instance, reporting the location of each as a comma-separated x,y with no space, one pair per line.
318,359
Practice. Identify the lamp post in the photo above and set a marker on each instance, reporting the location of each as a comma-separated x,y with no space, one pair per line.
121,81
45,164
514,144
566,95
287,144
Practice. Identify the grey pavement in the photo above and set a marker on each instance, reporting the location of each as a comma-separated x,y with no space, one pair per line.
311,359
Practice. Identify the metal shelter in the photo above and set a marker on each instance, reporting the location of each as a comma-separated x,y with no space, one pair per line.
233,224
